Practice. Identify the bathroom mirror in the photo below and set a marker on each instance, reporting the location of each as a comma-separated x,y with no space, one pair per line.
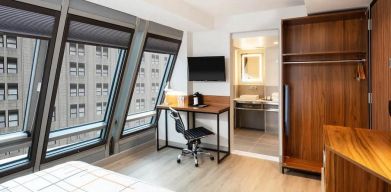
251,68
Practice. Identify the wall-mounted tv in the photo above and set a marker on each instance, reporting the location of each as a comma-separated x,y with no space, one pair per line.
206,68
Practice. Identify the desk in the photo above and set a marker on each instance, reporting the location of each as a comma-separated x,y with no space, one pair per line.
357,160
215,108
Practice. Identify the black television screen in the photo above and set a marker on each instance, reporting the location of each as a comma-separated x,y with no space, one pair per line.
206,68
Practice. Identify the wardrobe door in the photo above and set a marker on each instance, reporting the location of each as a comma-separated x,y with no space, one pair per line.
381,53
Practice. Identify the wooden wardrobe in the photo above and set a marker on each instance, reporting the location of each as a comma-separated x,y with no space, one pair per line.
381,64
322,55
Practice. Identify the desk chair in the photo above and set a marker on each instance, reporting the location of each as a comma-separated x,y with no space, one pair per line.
193,137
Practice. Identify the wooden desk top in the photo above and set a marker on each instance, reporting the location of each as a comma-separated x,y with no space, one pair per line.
368,149
214,109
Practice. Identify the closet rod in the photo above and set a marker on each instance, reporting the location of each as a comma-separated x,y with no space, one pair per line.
335,61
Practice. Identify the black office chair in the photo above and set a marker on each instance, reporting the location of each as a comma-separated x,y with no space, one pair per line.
193,137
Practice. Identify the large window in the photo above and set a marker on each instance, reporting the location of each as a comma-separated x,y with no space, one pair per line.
156,63
93,50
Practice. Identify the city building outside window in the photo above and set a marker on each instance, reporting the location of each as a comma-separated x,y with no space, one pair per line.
73,111
153,101
73,90
105,52
153,73
1,40
12,66
105,71
82,90
98,89
142,88
2,91
99,70
73,69
156,73
138,88
81,49
99,108
82,110
137,104
12,92
104,106
82,69
105,89
1,64
2,119
72,49
142,103
11,42
13,118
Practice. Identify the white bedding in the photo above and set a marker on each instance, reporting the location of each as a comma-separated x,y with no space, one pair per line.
77,176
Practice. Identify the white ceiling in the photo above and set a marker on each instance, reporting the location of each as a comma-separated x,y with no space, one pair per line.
233,7
318,6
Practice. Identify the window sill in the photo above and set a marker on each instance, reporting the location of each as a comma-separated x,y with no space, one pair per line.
136,130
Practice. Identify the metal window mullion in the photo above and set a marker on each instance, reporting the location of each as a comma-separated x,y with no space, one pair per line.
127,84
55,64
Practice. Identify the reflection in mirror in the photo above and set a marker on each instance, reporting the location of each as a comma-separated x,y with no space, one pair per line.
252,67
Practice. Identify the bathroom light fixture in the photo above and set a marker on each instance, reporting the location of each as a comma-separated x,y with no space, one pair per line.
275,42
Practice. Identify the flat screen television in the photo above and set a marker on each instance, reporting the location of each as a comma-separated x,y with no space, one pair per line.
206,68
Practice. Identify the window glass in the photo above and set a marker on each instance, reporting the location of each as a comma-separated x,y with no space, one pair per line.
82,68
81,49
12,92
73,69
13,118
2,119
2,91
1,64
11,42
157,59
12,65
1,40
82,90
98,70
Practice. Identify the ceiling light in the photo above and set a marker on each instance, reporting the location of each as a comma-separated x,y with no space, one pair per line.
275,42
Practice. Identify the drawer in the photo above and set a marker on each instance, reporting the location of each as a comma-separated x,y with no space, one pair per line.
249,106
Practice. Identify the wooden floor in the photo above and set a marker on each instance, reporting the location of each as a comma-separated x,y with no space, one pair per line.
236,173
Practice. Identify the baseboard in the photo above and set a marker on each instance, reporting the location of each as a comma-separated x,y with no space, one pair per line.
123,154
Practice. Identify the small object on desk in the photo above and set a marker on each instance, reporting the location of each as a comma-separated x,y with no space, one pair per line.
201,106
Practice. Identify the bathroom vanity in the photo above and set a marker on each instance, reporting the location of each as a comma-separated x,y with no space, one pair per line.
256,114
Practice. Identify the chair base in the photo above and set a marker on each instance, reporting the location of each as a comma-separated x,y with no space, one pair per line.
195,151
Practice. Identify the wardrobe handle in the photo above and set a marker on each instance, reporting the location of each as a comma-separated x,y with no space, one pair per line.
286,110
389,107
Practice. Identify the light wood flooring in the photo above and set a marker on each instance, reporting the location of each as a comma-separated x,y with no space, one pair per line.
236,173
256,141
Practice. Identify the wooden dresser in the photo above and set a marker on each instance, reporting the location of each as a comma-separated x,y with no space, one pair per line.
356,160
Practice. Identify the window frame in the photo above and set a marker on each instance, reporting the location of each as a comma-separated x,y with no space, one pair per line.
48,156
160,96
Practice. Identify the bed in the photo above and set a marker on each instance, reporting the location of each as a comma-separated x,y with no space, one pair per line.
75,176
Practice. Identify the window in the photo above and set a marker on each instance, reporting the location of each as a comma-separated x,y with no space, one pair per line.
142,72
82,90
98,89
2,119
81,49
99,51
105,89
1,40
54,114
105,52
73,111
98,70
99,108
151,76
104,106
2,91
12,92
73,69
82,110
1,64
73,90
11,42
105,71
12,65
82,69
13,118
72,49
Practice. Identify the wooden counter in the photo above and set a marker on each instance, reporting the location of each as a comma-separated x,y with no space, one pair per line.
357,159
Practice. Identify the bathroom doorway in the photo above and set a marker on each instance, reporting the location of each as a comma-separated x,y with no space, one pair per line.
256,93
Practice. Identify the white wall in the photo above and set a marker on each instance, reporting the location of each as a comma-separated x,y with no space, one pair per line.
272,73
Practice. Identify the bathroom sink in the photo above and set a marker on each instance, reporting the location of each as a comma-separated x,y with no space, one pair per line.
249,97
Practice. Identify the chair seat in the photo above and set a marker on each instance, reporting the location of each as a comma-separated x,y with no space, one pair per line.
197,133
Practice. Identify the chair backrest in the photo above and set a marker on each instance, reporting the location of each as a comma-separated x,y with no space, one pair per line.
179,126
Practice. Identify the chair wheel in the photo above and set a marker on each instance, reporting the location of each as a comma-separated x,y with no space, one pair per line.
178,160
196,165
212,158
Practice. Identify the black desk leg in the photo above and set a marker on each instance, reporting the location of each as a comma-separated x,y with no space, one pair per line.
218,138
193,113
166,124
157,129
188,119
